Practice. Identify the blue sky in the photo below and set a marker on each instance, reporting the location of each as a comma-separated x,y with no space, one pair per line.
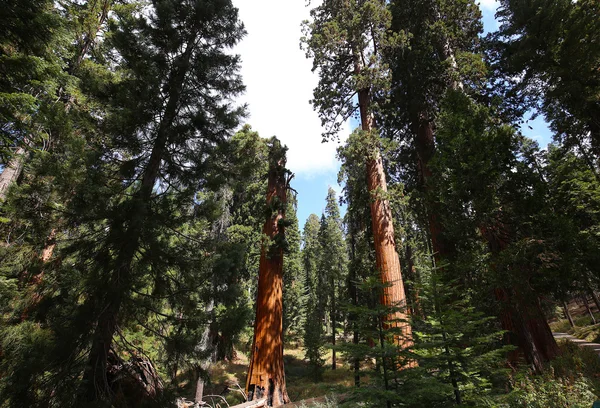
279,85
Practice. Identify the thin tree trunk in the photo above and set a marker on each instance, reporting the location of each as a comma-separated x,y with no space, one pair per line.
333,323
90,38
567,313
413,293
354,298
205,345
592,293
384,365
596,300
587,308
266,377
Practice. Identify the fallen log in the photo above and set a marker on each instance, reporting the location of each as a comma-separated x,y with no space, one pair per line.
252,404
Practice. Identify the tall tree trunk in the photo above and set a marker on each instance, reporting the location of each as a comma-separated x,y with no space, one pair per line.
387,260
206,344
425,147
413,292
522,318
266,377
568,314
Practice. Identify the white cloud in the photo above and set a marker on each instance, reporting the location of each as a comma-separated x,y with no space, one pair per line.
279,83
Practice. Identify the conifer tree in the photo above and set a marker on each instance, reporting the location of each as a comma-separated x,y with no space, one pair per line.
183,45
313,326
310,252
550,52
266,376
332,265
294,298
345,40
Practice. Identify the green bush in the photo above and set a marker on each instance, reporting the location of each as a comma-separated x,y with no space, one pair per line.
569,382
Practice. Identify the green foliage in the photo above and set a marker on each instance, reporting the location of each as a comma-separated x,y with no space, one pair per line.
294,292
458,347
313,324
550,52
570,381
346,41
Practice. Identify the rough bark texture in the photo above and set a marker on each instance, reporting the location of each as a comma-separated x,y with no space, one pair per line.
521,316
387,259
266,377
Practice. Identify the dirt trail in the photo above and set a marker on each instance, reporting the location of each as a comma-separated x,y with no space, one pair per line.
579,342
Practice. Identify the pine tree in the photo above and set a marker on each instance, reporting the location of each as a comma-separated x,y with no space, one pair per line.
332,266
313,325
552,47
458,348
294,301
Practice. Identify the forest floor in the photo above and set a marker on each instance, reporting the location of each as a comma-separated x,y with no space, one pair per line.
584,328
227,379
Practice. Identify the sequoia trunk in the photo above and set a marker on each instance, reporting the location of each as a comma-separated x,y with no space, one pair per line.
266,377
387,259
522,317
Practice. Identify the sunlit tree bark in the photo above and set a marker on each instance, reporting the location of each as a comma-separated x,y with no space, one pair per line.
266,377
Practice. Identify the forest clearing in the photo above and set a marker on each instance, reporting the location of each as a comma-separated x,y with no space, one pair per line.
151,251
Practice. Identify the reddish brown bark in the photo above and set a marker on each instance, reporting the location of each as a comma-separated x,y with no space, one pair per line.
522,318
425,146
387,260
266,377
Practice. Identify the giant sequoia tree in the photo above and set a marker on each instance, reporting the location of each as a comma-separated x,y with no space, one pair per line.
266,378
345,40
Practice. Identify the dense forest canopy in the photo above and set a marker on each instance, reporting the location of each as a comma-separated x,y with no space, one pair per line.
150,243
